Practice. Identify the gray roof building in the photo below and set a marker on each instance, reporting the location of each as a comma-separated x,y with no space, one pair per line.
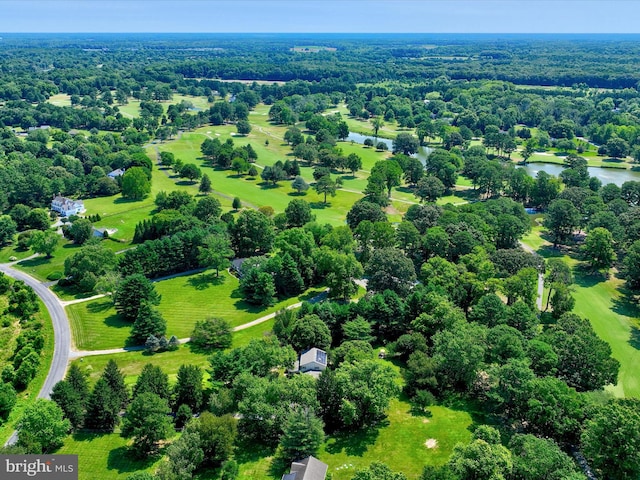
308,469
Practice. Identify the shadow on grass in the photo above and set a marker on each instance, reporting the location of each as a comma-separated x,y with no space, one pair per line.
406,189
586,278
473,407
35,262
122,200
297,194
268,186
634,338
357,443
205,280
469,195
185,183
123,461
319,205
251,452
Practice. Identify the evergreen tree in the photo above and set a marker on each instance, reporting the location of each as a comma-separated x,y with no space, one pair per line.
148,322
205,184
152,379
288,280
70,401
132,291
302,436
114,378
188,389
103,407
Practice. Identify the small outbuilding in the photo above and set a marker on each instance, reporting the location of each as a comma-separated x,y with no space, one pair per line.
308,469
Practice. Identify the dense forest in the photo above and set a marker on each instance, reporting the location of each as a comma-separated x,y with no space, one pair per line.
456,313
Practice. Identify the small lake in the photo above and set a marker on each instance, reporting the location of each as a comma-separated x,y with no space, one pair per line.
359,138
606,175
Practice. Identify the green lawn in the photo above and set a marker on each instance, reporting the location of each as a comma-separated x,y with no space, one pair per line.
185,300
399,442
131,363
104,456
252,191
617,321
613,317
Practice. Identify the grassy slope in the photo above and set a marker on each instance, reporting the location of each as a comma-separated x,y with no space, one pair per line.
131,363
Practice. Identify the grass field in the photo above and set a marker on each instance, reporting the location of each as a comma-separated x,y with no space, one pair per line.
104,456
400,442
185,300
131,363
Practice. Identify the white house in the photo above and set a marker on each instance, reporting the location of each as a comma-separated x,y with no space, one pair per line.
312,360
65,206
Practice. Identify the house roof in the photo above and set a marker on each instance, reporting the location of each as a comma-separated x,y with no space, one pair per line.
116,173
308,469
313,355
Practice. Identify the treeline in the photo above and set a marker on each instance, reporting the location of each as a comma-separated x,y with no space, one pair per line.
23,341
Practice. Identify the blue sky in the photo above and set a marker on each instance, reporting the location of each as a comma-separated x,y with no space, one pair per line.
419,16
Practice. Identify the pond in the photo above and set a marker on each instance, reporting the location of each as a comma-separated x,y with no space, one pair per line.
606,175
422,154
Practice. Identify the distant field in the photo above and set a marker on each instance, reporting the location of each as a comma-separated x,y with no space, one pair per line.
60,100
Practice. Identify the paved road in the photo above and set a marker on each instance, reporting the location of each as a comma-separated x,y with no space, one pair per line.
540,278
61,333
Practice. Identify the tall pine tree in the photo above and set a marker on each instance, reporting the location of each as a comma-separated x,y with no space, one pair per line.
114,378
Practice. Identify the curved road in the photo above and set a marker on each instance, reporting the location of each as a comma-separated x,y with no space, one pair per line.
61,331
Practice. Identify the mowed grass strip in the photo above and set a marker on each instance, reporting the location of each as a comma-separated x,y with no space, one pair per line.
184,300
